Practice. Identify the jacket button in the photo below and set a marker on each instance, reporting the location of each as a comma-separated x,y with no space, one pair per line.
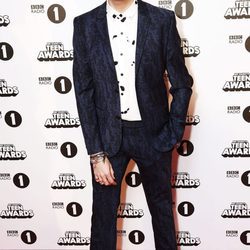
117,90
118,117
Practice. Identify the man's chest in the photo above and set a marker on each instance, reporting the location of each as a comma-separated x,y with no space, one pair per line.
122,37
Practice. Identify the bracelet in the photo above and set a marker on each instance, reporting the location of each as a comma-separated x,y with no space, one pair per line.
98,157
92,155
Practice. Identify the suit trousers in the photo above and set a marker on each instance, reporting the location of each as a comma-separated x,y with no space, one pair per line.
155,172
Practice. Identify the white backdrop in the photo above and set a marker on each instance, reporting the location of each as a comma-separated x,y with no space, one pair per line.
211,172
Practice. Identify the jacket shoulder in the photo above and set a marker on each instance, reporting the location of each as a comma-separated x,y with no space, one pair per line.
89,15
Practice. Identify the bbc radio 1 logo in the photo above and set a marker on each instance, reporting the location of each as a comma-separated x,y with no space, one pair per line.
74,209
247,44
73,238
232,174
234,39
238,39
239,148
136,237
62,84
184,238
6,51
245,178
240,82
232,233
16,211
9,152
5,176
188,50
28,237
56,12
184,9
240,10
68,181
57,205
133,179
245,237
183,180
62,119
37,8
45,80
236,210
127,210
185,148
51,145
12,233
165,4
55,52
13,118
67,149
192,120
246,114
237,110
20,180
233,109
7,91
4,21
186,208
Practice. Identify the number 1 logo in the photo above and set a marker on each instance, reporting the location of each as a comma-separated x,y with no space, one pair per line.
56,13
28,237
184,9
6,51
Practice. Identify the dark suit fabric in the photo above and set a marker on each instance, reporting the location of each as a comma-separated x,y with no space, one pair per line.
97,94
97,91
155,171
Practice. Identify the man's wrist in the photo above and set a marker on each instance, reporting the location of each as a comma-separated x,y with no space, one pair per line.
92,155
98,157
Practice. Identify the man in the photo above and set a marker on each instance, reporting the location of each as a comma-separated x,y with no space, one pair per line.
121,51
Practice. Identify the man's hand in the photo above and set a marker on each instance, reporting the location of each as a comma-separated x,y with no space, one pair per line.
104,173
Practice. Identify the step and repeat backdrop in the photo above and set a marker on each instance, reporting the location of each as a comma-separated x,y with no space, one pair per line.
45,182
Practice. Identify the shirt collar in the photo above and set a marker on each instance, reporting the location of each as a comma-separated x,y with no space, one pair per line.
128,13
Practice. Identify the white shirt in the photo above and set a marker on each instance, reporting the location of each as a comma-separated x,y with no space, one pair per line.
122,34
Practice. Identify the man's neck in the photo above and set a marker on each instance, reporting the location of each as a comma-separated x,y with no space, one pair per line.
120,5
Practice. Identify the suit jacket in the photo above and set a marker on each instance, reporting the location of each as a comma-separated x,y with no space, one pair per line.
96,88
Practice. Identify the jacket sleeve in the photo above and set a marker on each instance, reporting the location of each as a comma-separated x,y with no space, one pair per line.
84,91
181,83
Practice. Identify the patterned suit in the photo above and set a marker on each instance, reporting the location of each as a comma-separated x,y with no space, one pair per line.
150,142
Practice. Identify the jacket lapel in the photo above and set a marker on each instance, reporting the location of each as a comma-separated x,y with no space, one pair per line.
142,31
102,26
